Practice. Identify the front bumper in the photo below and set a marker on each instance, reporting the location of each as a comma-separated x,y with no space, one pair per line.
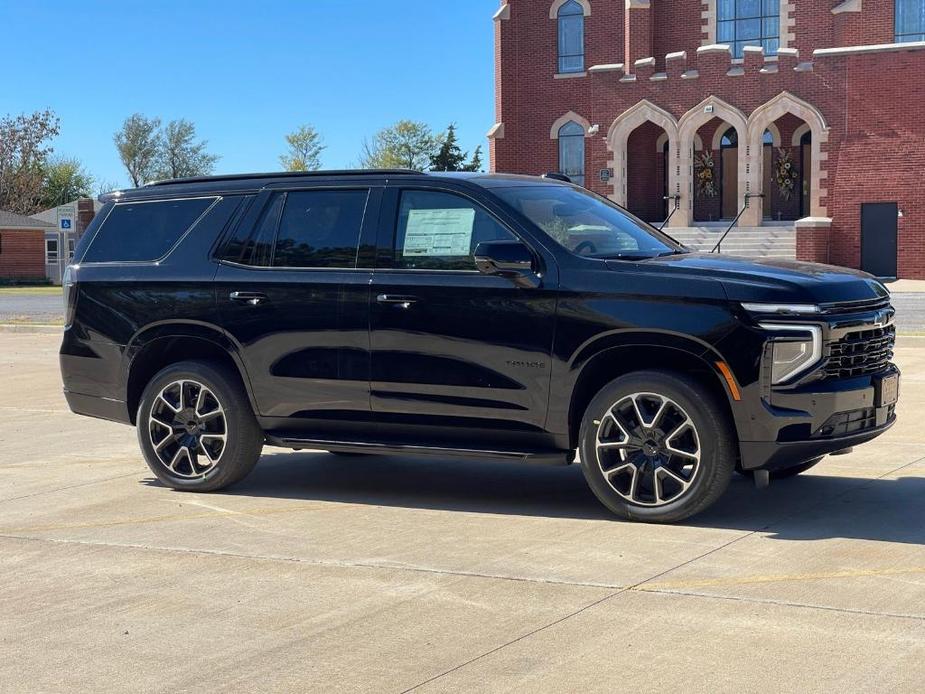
823,417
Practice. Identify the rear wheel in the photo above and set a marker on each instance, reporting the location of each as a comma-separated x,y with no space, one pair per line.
196,428
656,447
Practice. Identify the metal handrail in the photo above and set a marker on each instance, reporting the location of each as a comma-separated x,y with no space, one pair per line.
677,205
748,196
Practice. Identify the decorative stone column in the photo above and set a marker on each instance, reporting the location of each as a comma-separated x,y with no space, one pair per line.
638,32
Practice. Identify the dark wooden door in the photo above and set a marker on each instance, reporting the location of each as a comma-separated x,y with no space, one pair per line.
878,238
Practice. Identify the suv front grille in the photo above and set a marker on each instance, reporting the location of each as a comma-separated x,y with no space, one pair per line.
862,306
860,353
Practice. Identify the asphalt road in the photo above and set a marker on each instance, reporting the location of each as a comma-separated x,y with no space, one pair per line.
910,310
387,574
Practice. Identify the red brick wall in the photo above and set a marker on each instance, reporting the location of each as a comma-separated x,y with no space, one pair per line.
876,143
22,254
881,155
678,27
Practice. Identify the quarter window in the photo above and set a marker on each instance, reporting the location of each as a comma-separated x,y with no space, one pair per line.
742,23
910,20
572,152
571,22
144,231
440,231
320,228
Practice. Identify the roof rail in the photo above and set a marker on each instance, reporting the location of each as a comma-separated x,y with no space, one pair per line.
284,174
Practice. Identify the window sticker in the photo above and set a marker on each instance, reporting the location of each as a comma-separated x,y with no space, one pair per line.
445,232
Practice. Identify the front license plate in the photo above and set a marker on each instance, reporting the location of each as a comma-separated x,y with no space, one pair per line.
887,390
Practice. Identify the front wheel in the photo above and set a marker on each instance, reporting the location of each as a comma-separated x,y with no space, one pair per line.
196,428
656,447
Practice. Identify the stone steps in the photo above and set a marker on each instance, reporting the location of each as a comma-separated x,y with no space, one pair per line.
751,242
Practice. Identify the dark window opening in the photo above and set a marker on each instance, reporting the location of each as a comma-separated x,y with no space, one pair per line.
144,231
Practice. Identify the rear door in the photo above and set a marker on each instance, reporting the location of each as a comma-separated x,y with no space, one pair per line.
454,349
292,290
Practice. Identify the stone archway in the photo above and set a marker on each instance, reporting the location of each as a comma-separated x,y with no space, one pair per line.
708,109
759,121
618,138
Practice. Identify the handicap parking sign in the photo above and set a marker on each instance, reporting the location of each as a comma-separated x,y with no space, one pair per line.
65,223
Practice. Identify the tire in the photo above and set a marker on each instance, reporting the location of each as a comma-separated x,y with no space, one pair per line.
787,472
214,420
646,425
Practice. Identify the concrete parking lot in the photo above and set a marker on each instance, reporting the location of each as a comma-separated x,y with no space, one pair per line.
389,574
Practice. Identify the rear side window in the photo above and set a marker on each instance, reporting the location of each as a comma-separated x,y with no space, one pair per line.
320,228
144,231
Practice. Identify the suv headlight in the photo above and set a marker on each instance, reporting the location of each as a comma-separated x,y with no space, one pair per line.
794,349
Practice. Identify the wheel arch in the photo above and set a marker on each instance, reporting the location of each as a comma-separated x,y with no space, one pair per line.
657,352
169,343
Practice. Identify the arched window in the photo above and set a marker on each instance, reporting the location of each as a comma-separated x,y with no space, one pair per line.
730,139
742,23
768,138
572,152
571,20
910,20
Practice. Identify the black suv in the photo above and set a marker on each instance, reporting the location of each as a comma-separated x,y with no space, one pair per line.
497,316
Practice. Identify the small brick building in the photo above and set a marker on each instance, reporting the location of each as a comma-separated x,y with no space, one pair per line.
22,247
807,114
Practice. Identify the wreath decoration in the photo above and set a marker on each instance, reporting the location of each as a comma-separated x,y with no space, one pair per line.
785,174
706,174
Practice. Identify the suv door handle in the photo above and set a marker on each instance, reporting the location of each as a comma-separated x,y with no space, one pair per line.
251,298
399,300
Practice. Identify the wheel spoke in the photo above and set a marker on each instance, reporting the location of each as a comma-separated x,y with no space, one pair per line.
169,404
205,417
676,477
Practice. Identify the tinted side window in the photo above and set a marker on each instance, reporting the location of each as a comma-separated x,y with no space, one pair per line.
439,231
144,231
320,228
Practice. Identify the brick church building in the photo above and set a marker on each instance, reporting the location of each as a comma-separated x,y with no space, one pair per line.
806,117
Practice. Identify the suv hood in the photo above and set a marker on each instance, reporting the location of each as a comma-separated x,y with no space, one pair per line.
760,279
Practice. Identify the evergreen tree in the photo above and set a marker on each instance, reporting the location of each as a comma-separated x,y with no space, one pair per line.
475,164
449,157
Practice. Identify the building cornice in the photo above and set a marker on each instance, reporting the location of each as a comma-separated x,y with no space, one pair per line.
877,48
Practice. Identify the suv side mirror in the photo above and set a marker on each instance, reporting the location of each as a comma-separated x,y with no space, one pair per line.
509,259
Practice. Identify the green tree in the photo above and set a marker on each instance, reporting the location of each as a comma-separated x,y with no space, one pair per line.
305,148
449,157
24,151
405,145
139,145
180,154
475,164
65,180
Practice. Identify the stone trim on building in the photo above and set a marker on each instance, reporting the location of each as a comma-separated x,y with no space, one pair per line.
554,8
562,120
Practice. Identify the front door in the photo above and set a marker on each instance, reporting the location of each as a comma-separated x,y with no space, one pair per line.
454,350
879,222
294,299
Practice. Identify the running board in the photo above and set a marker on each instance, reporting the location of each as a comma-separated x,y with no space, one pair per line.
539,458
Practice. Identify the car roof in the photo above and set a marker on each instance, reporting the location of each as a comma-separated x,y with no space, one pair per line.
251,182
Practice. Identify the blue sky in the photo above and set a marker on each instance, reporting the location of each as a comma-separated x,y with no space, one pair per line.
248,73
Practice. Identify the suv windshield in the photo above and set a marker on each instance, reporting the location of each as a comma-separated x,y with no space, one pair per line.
587,224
